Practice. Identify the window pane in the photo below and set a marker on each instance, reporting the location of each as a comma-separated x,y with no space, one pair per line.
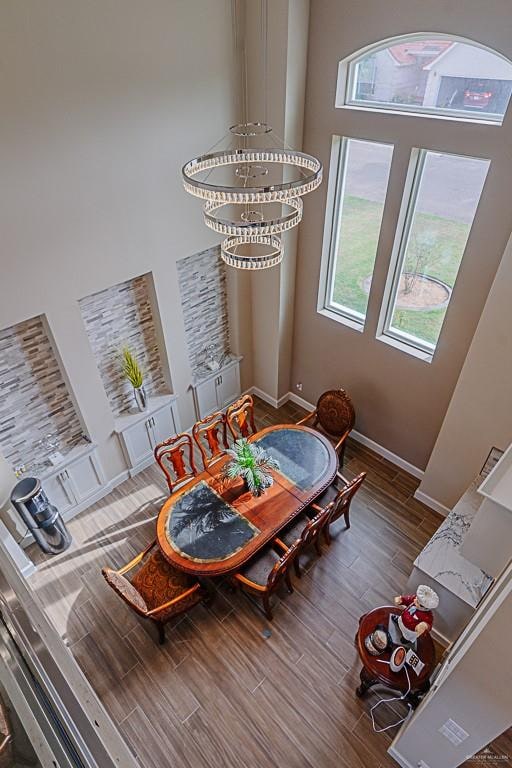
363,179
444,201
434,76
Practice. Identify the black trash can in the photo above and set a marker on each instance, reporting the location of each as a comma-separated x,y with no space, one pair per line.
40,516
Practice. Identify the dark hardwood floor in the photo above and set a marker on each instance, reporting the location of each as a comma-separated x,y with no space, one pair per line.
229,688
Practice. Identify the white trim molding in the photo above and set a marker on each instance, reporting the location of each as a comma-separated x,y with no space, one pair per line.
300,401
386,454
432,503
274,402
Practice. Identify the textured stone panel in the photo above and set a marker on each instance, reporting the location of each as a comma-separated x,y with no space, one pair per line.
34,400
202,281
118,317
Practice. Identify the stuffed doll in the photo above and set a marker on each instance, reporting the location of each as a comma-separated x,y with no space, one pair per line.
416,617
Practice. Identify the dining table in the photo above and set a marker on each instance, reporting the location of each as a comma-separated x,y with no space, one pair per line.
212,525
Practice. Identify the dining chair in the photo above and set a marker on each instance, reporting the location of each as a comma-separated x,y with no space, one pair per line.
210,435
176,459
338,498
306,530
240,417
334,415
263,574
157,591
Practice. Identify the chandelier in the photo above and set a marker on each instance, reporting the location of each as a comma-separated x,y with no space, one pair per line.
252,194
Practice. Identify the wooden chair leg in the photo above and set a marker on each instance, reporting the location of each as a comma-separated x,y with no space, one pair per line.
296,568
209,592
327,535
161,632
288,582
318,548
266,606
346,515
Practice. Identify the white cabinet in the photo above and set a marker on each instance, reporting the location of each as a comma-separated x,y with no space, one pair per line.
163,425
141,432
206,397
59,491
218,389
228,385
74,484
137,442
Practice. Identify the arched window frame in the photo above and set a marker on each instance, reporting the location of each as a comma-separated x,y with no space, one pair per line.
346,80
434,135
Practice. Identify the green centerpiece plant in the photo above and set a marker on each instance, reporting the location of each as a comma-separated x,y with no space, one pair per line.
253,464
135,375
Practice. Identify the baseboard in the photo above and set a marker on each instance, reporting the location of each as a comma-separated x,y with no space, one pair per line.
392,752
432,503
366,441
300,401
274,402
143,465
386,454
118,479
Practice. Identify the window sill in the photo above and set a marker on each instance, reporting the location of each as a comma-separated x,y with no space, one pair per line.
356,325
420,354
410,113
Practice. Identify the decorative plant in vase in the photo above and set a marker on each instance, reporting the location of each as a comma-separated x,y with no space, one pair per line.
133,372
252,464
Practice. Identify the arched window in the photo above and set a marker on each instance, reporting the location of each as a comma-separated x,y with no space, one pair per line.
431,74
438,78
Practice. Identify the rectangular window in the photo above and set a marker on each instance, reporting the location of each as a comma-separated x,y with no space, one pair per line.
438,213
357,186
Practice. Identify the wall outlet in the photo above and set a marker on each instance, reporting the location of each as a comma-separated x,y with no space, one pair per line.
423,764
453,732
298,386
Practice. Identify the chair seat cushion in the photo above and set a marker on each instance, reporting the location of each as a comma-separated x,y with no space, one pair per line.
158,582
122,586
327,496
293,531
258,569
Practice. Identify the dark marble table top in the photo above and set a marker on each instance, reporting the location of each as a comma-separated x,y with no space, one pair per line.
204,527
211,528
302,456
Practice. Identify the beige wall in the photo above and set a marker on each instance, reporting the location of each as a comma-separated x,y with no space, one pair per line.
102,102
400,400
480,413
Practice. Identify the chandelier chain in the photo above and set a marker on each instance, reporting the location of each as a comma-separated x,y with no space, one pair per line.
256,194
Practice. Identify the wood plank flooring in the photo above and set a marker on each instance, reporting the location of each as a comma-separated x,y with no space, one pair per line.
222,691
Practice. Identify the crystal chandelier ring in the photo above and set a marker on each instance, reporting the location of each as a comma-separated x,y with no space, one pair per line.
261,194
272,252
250,129
251,224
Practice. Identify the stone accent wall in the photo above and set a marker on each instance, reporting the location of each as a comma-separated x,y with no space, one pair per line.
34,400
121,316
202,281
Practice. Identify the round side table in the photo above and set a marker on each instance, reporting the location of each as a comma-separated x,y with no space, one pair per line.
374,672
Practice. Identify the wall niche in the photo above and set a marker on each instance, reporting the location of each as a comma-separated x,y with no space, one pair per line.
122,316
34,399
202,282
